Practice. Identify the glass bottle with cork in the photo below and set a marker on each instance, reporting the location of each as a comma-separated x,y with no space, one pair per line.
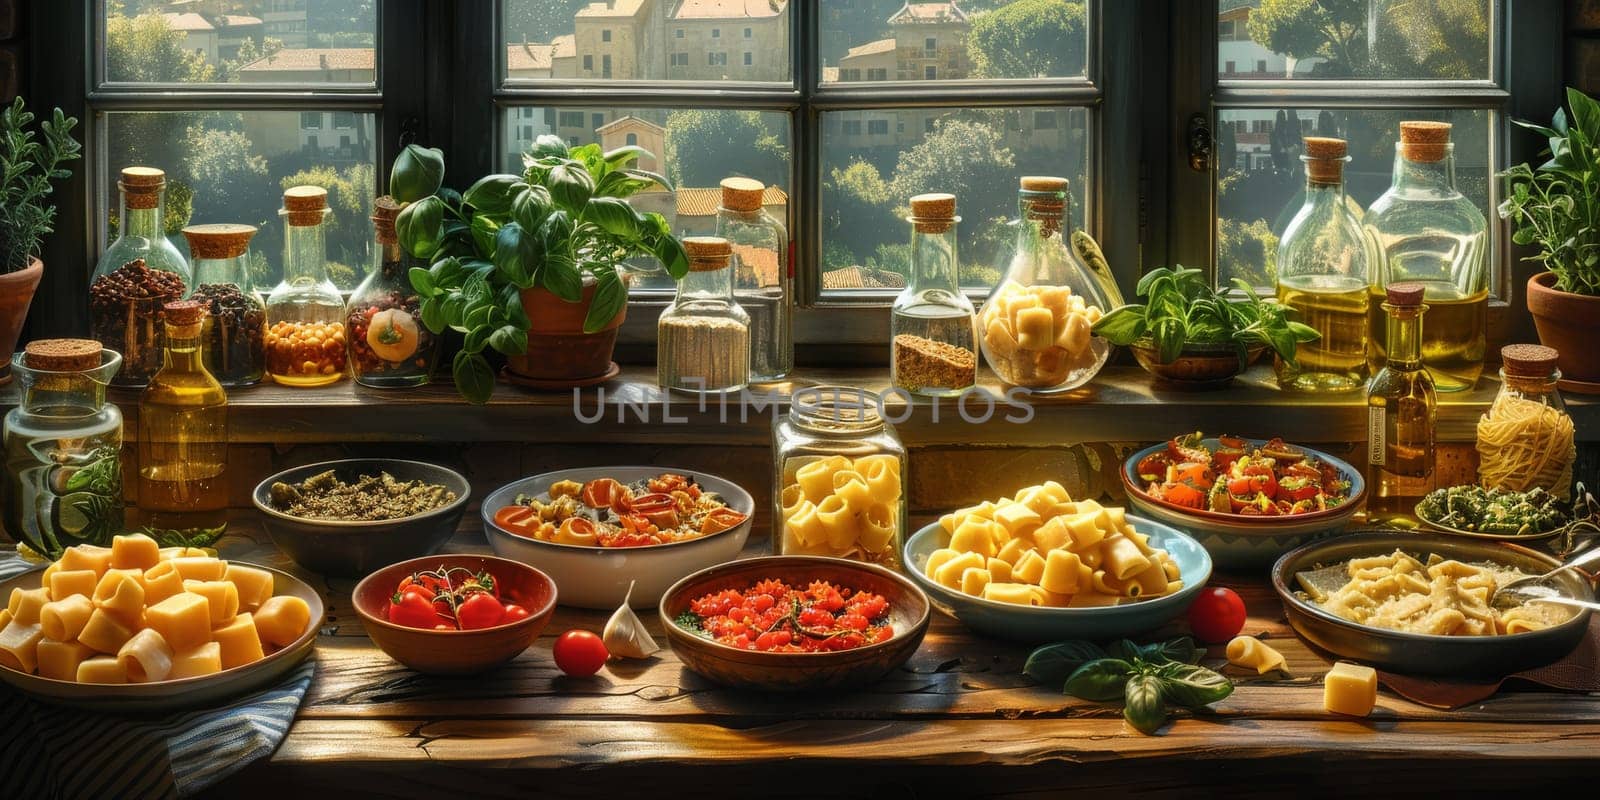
763,276
63,448
234,338
1423,230
703,338
1401,412
934,351
1323,275
1035,327
305,314
139,273
1526,439
389,345
183,437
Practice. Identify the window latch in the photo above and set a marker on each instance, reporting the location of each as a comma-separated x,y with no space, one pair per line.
1199,143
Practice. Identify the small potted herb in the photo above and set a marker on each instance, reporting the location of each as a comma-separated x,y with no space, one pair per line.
1555,208
1191,334
28,163
532,266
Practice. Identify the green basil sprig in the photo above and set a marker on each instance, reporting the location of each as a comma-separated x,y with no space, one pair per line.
1181,308
1148,678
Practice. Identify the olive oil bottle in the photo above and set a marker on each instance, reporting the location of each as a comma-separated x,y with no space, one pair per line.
1323,276
183,438
1401,408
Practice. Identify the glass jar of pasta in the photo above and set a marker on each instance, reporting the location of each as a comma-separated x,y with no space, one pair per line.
1525,439
839,482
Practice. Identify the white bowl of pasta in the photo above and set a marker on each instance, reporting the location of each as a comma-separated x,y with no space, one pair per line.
1417,604
1076,570
599,530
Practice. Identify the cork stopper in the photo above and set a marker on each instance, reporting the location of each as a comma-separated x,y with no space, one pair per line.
305,205
142,186
707,253
742,194
185,312
218,241
385,210
1325,159
1406,294
1044,183
62,355
1051,202
933,213
1424,141
1528,360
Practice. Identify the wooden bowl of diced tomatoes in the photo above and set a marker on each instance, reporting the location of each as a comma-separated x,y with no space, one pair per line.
455,614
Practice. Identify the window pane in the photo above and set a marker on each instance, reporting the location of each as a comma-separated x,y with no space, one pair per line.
694,148
874,161
647,40
233,167
247,41
879,40
1334,39
1263,181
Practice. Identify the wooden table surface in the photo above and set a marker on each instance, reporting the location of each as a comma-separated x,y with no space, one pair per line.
958,718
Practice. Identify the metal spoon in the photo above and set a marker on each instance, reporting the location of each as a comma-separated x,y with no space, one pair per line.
1539,587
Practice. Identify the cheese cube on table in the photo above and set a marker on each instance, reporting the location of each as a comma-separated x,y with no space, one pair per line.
1350,689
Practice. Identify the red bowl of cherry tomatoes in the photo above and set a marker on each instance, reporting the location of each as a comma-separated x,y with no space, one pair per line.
455,614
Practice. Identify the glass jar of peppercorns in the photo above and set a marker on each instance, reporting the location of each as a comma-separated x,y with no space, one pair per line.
125,315
389,345
234,337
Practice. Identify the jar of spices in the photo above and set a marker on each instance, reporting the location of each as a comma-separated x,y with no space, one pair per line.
63,448
305,338
389,345
703,338
931,323
839,478
1525,439
234,339
125,302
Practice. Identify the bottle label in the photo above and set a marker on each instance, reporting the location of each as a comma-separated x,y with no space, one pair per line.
1377,439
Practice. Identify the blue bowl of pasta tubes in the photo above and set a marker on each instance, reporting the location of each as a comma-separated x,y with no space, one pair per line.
1064,571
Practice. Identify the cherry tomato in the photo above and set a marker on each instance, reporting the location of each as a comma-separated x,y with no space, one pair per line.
1217,615
412,609
514,612
480,610
520,520
580,653
421,587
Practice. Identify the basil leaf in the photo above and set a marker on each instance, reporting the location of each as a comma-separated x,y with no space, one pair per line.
1193,686
1054,663
1126,650
510,340
564,281
530,207
624,157
420,227
615,217
417,173
1142,704
492,194
474,377
433,314
548,145
422,281
1168,334
610,295
1122,326
1182,650
1100,680
571,185
515,251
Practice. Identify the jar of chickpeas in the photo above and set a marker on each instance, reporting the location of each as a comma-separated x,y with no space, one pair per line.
839,482
305,313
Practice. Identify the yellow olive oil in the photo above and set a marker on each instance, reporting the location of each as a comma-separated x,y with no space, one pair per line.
1453,341
1336,306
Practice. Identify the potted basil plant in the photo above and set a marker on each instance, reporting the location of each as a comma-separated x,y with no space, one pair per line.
28,163
1556,209
533,266
1191,334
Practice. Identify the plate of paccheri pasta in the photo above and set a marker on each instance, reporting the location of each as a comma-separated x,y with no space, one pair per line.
1040,566
137,627
1420,604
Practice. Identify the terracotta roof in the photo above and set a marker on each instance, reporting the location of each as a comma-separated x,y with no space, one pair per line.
314,58
529,56
830,74
862,278
929,12
565,46
632,122
703,202
870,48
758,266
729,9
611,8
187,22
239,20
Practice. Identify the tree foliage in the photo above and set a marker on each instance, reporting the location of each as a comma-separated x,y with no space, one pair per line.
705,146
961,157
1029,39
350,192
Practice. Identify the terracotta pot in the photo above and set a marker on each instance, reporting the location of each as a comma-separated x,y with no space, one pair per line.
16,294
1569,323
558,349
1198,366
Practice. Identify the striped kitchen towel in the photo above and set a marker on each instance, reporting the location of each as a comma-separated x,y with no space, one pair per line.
49,751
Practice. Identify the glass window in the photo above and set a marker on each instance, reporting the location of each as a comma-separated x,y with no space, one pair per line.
1436,40
995,39
311,120
605,35
243,42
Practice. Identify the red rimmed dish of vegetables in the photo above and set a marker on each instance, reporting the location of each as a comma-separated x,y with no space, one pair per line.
664,509
1242,479
773,616
452,599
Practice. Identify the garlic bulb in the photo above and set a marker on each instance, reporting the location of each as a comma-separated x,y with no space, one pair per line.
625,635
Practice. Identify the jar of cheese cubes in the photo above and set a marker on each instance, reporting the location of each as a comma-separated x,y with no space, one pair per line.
839,482
1034,328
